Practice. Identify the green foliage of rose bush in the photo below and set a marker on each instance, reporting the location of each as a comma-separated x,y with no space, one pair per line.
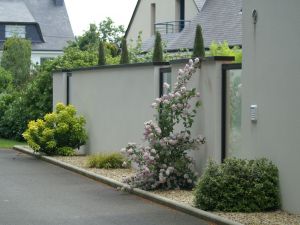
59,133
239,185
163,162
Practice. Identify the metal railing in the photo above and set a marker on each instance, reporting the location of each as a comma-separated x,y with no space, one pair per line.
171,27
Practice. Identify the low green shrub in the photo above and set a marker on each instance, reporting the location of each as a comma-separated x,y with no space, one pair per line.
106,161
59,133
239,185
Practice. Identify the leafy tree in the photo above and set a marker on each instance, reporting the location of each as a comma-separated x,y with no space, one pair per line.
124,54
223,49
89,40
72,58
158,51
6,80
34,100
17,58
111,33
101,54
199,49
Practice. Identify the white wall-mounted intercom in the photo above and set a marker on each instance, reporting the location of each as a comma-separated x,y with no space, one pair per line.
253,113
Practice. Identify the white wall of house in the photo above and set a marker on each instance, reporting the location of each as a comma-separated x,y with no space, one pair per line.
165,11
36,56
271,80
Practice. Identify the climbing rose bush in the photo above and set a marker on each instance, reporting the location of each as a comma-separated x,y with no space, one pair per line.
163,163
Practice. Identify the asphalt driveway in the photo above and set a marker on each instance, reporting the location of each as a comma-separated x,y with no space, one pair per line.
33,192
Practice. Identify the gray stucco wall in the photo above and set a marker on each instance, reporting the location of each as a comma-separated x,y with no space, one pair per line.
271,80
116,103
59,88
208,82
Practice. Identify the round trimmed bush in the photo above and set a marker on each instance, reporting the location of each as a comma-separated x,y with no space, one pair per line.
239,185
59,133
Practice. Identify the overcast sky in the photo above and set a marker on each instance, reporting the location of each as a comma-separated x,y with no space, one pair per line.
84,12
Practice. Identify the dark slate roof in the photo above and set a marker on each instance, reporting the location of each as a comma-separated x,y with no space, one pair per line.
53,21
220,20
200,4
166,38
15,11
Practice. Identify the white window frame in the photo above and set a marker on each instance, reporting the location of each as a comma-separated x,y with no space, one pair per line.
15,31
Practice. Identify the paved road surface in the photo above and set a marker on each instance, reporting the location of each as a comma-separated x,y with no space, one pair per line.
33,192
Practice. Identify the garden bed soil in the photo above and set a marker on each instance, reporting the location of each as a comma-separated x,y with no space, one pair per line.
186,197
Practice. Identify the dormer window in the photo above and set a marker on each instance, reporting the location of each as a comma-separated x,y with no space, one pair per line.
15,31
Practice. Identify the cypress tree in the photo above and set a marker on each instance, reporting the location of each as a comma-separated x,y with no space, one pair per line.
124,54
158,51
101,54
199,50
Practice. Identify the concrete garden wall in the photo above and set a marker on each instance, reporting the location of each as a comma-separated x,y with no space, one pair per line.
271,80
207,81
115,101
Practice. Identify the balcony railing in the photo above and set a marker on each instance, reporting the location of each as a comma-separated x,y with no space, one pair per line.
171,27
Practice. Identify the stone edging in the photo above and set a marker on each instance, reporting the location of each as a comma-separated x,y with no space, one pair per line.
214,219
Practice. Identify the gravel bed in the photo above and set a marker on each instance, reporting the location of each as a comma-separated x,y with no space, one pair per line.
186,197
182,196
267,218
80,161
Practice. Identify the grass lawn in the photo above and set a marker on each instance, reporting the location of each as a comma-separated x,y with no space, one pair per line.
5,143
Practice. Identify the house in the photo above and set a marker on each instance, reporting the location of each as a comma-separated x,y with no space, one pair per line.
45,23
166,16
220,21
271,81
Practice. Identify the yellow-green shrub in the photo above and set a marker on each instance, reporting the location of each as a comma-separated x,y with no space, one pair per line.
59,133
106,161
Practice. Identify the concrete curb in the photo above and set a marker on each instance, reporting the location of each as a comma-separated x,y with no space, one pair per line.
212,218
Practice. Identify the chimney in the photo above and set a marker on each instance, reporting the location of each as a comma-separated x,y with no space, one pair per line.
58,2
